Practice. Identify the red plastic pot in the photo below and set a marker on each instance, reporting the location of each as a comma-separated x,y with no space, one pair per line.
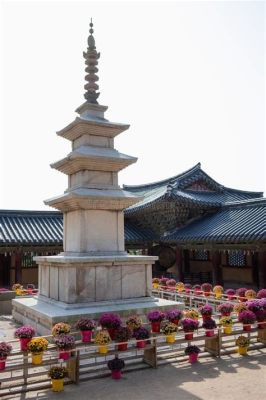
2,363
122,346
141,344
86,336
188,335
246,327
210,333
111,332
193,358
64,355
23,343
156,326
116,374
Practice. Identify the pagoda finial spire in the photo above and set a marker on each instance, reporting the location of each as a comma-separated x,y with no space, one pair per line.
91,61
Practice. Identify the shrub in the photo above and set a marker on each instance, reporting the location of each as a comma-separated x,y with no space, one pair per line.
250,294
225,308
60,328
156,280
192,350
173,315
254,305
5,349
65,342
218,289
37,345
24,332
134,322
155,316
206,287
209,324
163,281
169,328
226,321
85,324
102,337
189,324
230,292
171,282
122,334
247,317
241,292
261,294
116,364
206,310
110,320
242,341
141,333
57,372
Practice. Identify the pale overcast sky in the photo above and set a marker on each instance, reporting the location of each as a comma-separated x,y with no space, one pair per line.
189,77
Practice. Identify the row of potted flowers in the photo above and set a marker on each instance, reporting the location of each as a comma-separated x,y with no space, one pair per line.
207,289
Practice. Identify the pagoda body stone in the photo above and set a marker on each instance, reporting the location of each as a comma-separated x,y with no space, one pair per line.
94,273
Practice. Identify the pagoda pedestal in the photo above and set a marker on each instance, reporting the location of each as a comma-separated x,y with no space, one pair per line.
94,274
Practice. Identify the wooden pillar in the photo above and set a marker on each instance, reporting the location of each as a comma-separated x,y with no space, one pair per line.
179,264
216,270
18,267
255,270
262,269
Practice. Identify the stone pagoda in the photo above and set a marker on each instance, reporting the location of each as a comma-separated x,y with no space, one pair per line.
94,273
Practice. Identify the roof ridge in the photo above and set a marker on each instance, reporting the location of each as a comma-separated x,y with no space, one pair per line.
164,181
32,212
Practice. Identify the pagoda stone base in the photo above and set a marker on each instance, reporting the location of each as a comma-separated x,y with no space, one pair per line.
86,279
42,315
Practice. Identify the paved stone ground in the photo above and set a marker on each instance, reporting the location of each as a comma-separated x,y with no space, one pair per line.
230,378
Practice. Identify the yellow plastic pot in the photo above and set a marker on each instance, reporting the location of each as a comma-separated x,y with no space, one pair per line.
170,338
155,285
218,295
242,351
228,329
36,358
57,385
103,349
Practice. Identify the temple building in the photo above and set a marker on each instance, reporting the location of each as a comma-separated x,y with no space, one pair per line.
201,231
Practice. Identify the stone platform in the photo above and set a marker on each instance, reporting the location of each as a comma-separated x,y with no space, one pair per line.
43,314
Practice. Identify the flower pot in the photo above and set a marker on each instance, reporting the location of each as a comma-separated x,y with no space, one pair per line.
206,317
64,355
122,346
207,294
246,327
189,336
242,350
111,332
155,285
262,325
170,338
218,295
230,297
210,333
193,357
23,343
175,321
57,385
227,329
187,291
86,336
36,358
102,349
156,326
141,344
116,374
2,363
225,314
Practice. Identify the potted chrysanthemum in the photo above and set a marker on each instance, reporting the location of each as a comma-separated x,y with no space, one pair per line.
206,288
261,294
180,286
155,283
122,336
65,343
141,335
227,323
240,307
171,284
86,326
25,334
189,326
206,311
218,291
174,315
155,317
116,365
102,339
61,328
247,318
169,329
57,374
250,294
5,350
37,346
111,322
209,325
187,287
192,313
230,294
225,309
242,342
197,289
133,322
193,353
240,292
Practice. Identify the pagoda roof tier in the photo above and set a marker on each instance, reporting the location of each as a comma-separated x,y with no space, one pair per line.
93,159
92,126
193,186
93,199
